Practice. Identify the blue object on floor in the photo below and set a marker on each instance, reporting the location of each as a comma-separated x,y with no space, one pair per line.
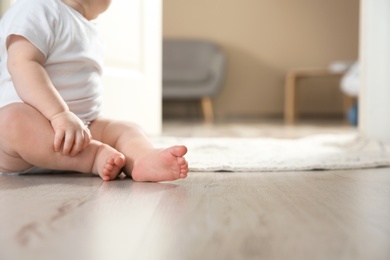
352,115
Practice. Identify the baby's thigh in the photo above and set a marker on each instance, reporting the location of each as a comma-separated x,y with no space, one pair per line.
98,128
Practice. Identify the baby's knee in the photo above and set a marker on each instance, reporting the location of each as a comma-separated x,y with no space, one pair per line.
14,116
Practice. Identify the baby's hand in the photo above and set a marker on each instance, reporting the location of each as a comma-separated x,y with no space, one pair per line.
69,133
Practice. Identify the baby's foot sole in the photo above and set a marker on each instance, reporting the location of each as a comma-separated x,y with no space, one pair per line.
161,165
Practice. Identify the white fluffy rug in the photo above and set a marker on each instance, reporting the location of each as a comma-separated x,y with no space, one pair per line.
325,152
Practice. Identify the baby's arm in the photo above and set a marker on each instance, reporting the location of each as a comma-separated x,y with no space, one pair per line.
34,87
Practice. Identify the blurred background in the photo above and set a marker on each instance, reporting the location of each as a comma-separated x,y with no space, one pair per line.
263,40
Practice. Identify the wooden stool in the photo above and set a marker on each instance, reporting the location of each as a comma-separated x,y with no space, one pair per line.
290,105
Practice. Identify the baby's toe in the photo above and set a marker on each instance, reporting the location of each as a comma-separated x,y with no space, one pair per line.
183,173
182,161
110,161
109,167
119,161
106,175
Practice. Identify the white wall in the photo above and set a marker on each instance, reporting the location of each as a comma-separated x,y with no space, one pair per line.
131,31
374,96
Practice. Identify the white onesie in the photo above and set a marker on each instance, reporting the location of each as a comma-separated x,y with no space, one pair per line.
71,45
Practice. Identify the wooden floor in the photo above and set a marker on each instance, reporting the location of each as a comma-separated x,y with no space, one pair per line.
278,215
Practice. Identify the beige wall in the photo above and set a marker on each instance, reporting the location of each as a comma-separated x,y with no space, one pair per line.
4,5
266,38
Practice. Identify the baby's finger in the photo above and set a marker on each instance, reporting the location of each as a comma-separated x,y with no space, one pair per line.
89,135
78,145
87,138
58,139
68,143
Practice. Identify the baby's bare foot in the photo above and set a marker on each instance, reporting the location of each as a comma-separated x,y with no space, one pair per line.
108,162
161,165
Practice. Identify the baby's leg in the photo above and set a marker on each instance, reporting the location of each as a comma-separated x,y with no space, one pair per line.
26,140
143,161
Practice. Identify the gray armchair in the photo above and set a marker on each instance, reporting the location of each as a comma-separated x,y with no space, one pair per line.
193,69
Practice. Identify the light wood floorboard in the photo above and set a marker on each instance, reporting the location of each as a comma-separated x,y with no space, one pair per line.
219,215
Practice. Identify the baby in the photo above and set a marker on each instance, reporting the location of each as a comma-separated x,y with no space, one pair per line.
51,99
